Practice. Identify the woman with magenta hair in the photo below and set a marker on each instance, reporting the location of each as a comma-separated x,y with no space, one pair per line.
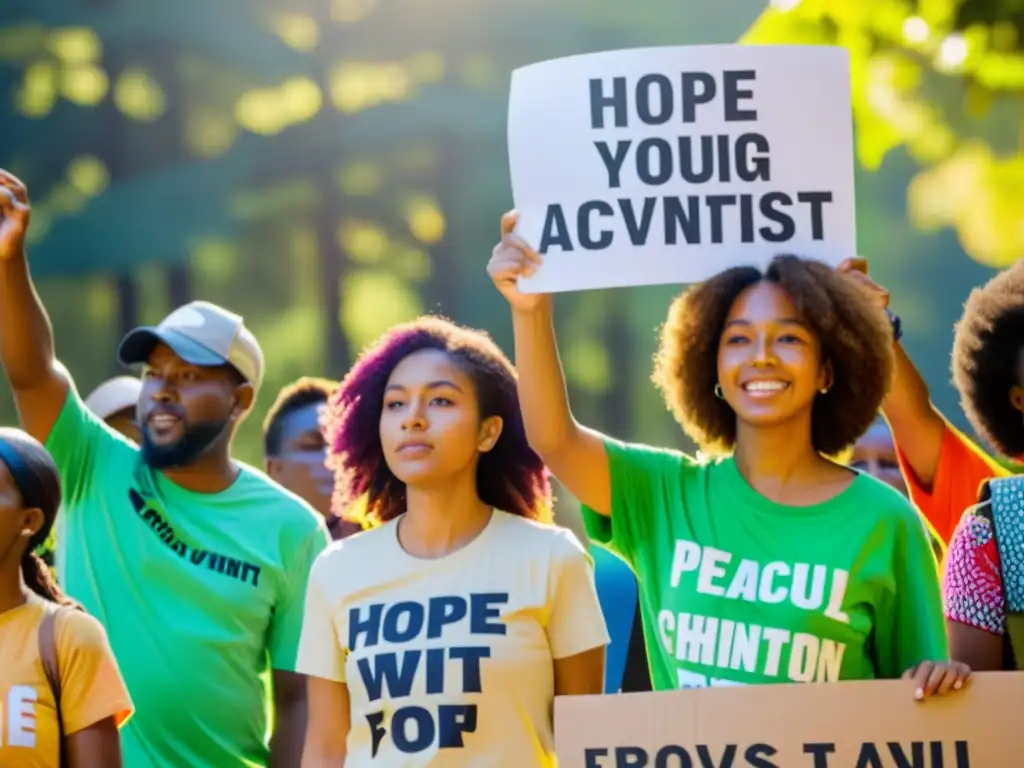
441,635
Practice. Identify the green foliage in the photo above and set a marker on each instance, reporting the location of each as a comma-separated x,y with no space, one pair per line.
942,80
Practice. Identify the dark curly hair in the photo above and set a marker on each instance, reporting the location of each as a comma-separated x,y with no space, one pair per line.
855,337
986,359
510,477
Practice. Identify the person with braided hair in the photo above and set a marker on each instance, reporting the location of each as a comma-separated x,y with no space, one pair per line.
72,717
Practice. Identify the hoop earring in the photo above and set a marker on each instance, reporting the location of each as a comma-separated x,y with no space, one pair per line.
718,392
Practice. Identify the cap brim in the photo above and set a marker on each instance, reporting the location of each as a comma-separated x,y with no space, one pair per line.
139,344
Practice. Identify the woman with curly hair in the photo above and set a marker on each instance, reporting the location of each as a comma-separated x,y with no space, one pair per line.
984,608
61,692
770,563
442,634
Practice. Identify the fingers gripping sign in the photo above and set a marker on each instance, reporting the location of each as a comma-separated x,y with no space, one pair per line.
937,678
511,259
857,269
14,215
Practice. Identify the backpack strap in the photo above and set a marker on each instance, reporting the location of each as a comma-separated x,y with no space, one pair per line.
51,664
1001,502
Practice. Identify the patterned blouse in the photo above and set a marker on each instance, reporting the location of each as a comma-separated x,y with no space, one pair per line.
972,585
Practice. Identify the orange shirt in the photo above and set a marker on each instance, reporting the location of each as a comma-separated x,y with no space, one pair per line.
91,686
959,474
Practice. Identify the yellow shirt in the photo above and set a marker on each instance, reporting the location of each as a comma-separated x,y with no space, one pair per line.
449,662
91,686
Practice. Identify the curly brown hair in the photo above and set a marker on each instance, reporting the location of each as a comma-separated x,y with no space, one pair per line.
855,335
986,359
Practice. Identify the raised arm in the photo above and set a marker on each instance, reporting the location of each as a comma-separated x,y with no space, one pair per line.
575,454
26,339
917,427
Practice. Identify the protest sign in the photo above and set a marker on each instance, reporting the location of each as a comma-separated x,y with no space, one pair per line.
867,724
667,165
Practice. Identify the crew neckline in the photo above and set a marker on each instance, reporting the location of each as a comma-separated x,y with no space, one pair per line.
732,479
464,551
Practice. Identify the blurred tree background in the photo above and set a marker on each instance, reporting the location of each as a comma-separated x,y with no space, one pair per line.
330,167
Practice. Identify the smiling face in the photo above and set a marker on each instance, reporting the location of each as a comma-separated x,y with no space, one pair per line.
769,362
185,408
430,426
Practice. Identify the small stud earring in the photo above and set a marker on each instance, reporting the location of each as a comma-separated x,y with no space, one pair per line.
27,532
823,390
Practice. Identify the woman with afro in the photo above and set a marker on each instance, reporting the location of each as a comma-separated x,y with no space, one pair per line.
983,585
442,634
769,562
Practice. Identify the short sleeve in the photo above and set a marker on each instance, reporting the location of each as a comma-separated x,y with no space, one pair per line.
575,620
645,482
972,585
286,624
322,647
911,628
92,688
78,441
961,470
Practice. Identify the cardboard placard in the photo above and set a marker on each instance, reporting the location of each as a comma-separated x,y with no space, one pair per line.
668,165
868,724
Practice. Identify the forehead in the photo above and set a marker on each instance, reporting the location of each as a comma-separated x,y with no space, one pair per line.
426,367
303,420
7,486
764,302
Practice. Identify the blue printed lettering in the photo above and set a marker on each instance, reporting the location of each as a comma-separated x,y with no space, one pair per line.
448,609
423,723
470,657
357,626
483,608
392,675
393,620
453,720
383,669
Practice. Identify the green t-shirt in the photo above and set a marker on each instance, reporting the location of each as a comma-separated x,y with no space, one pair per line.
736,589
199,593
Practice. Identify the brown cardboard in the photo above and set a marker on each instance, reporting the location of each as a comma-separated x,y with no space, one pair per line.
768,726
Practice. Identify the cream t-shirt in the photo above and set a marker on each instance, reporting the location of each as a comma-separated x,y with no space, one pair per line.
448,661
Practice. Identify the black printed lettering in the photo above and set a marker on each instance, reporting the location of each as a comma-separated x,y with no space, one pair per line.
375,721
732,95
869,757
725,761
660,87
637,230
599,102
591,756
654,161
412,729
677,219
816,200
698,88
613,162
757,756
555,232
248,569
630,757
715,204
587,238
820,752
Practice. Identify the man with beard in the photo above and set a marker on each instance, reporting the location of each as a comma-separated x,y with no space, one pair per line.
196,564
294,448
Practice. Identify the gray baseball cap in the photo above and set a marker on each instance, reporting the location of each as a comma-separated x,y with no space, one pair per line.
202,334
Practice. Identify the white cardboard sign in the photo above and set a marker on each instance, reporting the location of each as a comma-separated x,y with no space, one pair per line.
668,165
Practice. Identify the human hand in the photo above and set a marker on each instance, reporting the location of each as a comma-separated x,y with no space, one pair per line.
511,259
937,678
14,215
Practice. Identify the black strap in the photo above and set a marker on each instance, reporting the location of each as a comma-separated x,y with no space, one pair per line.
984,509
636,676
51,663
